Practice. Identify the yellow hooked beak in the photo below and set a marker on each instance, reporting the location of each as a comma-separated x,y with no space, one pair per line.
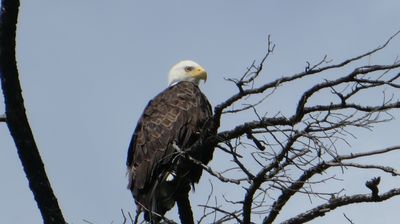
199,73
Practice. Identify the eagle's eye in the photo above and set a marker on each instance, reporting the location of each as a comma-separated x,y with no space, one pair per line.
188,68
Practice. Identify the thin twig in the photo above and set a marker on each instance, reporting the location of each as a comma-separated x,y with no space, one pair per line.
386,169
123,215
348,219
208,169
89,222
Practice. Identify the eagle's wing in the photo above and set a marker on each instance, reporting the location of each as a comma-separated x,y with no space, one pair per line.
177,114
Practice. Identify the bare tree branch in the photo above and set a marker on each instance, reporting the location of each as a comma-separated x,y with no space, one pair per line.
318,169
339,202
315,70
17,121
348,219
207,168
386,169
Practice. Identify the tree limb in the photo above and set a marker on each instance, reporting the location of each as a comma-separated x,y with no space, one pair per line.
206,168
339,202
17,121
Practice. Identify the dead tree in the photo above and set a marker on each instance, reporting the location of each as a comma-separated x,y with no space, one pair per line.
294,153
277,156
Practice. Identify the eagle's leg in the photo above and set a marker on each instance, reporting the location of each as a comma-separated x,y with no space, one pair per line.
184,208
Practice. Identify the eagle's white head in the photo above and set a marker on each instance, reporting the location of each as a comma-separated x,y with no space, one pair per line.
186,71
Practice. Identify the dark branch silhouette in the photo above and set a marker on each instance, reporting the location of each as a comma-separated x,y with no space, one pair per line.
17,121
338,202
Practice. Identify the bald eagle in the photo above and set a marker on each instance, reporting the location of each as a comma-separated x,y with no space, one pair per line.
178,116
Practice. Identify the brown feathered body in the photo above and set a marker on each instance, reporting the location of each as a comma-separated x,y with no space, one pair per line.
158,173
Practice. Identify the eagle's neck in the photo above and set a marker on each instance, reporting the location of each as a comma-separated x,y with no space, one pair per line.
174,83
196,82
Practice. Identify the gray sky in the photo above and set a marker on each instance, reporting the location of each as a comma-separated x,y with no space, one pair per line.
88,68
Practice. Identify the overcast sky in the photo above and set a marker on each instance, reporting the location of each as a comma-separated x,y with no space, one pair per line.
88,68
